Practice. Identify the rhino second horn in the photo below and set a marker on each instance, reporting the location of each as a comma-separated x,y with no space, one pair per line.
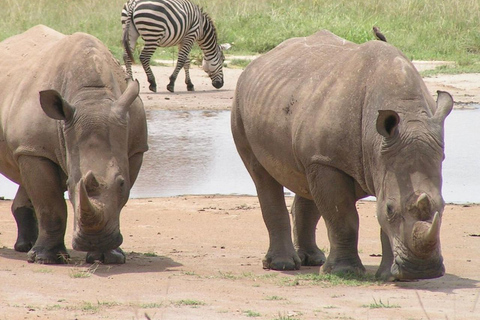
423,203
91,183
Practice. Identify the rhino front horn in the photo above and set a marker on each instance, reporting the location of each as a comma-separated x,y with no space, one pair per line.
426,235
90,216
433,233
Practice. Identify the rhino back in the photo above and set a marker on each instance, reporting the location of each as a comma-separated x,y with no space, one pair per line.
299,95
315,100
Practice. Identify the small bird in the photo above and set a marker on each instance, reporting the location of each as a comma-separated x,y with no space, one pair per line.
378,34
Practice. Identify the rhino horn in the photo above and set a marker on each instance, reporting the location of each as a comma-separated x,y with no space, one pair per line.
426,235
90,214
423,203
433,233
128,96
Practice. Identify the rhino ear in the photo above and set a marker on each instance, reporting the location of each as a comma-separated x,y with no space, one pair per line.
387,123
444,105
128,96
54,106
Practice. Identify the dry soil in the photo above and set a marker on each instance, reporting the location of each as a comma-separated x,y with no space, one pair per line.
199,257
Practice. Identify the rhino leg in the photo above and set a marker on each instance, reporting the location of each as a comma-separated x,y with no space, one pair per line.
24,215
41,179
305,218
116,256
384,271
281,254
334,194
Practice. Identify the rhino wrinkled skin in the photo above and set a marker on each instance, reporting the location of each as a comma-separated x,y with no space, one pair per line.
68,121
334,122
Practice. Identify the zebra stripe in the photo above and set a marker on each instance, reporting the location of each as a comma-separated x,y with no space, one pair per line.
166,23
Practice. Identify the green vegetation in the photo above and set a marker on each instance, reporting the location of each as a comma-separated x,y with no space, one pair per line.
83,272
422,29
251,314
151,305
284,317
330,280
150,254
380,305
189,302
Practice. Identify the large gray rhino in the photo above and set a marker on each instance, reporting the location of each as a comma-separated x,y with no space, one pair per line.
335,122
68,121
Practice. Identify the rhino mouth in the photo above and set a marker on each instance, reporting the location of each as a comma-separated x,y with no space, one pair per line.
97,242
413,268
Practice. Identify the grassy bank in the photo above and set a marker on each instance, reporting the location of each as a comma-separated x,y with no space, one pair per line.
422,29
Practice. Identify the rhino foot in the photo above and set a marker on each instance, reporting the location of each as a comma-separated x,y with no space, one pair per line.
385,274
24,245
116,256
346,266
282,262
41,255
311,258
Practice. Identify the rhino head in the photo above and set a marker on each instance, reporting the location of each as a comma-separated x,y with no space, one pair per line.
95,134
409,199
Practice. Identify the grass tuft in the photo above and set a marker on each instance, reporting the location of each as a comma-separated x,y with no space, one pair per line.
331,280
380,305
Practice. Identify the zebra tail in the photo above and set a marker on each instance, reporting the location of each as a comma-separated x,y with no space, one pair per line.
126,40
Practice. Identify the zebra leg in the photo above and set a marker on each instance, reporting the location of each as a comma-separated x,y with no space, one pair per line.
145,57
183,52
188,81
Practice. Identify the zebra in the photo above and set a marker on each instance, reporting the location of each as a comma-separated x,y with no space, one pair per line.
166,23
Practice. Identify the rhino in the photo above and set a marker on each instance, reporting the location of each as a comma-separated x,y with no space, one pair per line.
335,122
68,121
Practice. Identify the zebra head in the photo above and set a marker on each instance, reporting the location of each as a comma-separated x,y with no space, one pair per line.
213,66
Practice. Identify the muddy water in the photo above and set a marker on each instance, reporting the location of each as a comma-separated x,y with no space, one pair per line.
192,152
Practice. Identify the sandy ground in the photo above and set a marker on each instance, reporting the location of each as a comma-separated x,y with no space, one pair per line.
199,257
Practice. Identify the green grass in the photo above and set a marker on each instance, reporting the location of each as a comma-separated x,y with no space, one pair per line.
284,317
330,280
380,305
83,272
151,305
251,314
150,254
422,29
189,302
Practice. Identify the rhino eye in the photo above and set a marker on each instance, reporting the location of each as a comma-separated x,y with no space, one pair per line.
390,211
120,181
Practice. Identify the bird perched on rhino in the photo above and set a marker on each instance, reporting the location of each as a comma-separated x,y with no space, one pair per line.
378,34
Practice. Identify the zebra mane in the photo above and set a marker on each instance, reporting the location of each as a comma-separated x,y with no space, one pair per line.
209,19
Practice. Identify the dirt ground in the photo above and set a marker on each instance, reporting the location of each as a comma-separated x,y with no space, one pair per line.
199,257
